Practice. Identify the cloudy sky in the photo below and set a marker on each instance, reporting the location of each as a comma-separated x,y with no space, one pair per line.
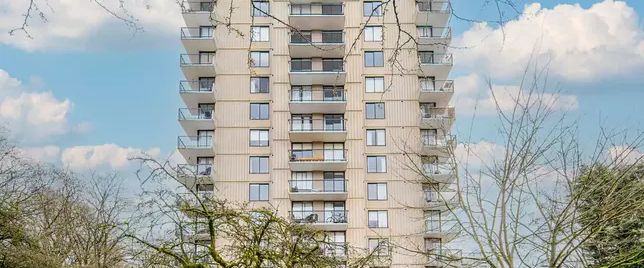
86,92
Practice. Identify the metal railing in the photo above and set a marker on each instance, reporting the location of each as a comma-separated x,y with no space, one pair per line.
318,155
437,86
321,125
198,170
434,6
444,256
437,169
197,197
192,86
438,141
434,32
198,6
318,186
319,216
428,58
450,226
196,33
325,38
196,114
315,10
197,59
318,95
438,113
194,142
307,66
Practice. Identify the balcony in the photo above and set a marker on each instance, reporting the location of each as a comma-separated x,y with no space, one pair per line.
439,173
325,44
192,120
197,12
324,101
314,72
441,257
196,198
190,147
318,130
197,65
441,146
446,200
328,220
197,39
435,64
444,229
318,190
335,249
431,12
193,174
434,38
437,118
317,16
318,160
194,92
440,91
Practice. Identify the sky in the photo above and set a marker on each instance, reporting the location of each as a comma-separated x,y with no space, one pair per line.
86,92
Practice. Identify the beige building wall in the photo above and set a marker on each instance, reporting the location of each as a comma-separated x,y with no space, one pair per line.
405,203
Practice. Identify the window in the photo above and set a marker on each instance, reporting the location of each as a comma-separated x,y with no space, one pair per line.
260,8
205,57
206,6
373,33
334,122
204,166
206,31
376,191
259,137
378,219
426,57
258,191
334,152
206,83
259,58
377,164
374,59
433,221
379,246
259,84
429,136
259,111
427,84
376,137
258,164
375,84
259,33
375,110
425,31
301,65
336,244
372,9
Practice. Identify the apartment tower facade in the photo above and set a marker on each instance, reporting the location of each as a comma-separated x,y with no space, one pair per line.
314,107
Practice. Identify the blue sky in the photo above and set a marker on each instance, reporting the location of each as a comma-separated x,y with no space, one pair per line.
123,91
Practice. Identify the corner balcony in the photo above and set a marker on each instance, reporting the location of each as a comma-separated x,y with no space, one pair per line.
434,38
316,44
441,257
441,146
195,199
194,92
317,160
437,118
328,220
192,120
431,12
316,16
197,65
318,130
318,190
325,101
438,91
444,229
197,13
329,72
190,147
198,39
434,64
439,173
445,201
193,174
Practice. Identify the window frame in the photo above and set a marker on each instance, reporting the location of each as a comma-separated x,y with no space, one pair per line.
380,226
375,113
369,32
377,169
250,138
259,84
377,130
371,56
259,187
375,81
262,4
377,192
372,13
261,33
260,158
258,64
261,104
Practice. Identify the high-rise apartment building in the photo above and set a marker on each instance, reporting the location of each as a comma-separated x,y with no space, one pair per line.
325,110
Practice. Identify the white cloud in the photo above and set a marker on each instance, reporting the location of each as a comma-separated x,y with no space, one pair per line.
475,155
626,155
31,116
475,97
49,153
582,44
82,25
111,156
